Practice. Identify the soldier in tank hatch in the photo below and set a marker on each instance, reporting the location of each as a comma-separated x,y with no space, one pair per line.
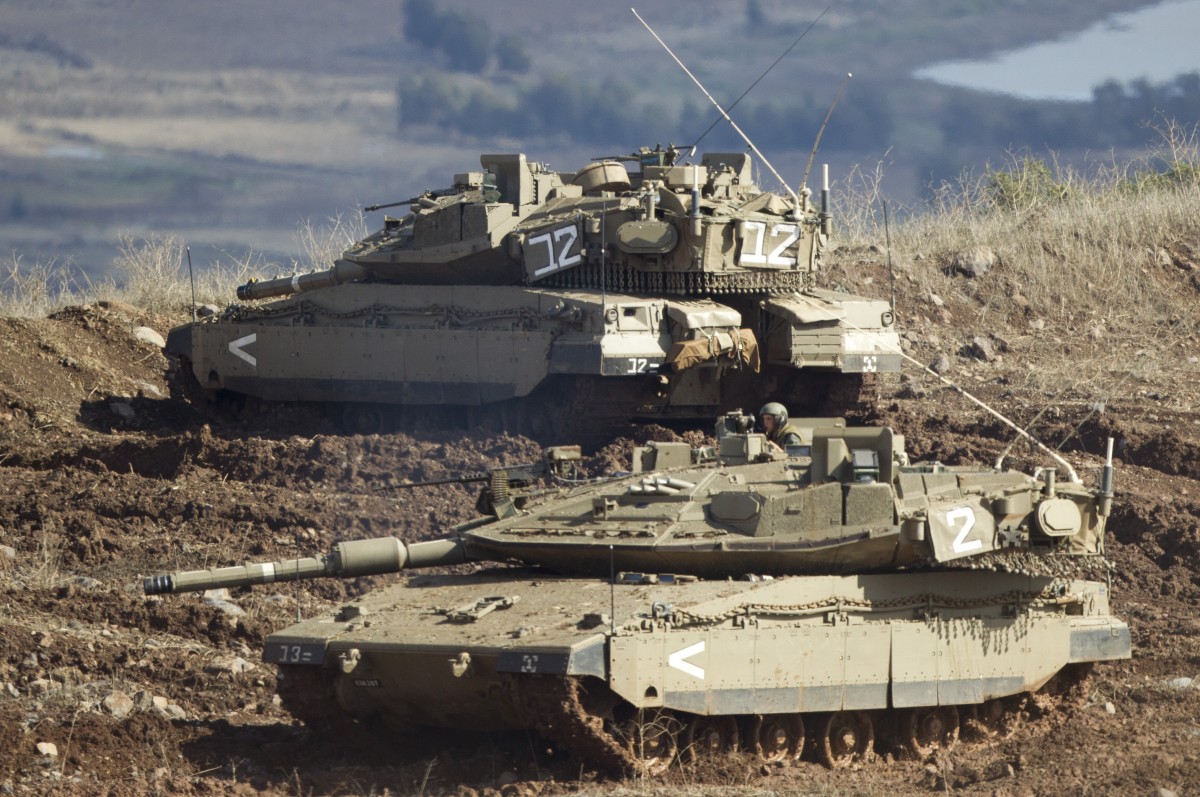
780,433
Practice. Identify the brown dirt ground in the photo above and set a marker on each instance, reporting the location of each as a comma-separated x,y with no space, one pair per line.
91,501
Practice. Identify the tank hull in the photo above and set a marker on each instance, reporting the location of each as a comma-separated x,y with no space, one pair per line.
804,647
659,292
465,346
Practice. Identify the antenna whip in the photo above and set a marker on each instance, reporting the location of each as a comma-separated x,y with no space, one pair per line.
750,88
713,100
821,132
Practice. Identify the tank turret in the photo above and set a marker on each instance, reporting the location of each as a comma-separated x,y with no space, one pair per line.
657,287
846,500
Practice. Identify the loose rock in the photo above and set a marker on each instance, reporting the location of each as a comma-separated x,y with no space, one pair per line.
119,704
148,335
974,262
981,349
234,666
122,410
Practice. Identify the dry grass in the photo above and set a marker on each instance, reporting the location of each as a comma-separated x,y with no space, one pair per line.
1082,248
153,273
1092,281
320,245
38,289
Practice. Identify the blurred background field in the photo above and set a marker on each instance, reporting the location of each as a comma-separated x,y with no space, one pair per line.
236,127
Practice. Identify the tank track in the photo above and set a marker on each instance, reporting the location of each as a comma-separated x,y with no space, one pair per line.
553,706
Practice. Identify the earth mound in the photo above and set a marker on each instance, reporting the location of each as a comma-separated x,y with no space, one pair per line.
105,478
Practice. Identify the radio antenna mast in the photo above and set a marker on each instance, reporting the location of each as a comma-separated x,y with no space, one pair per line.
821,132
750,88
733,124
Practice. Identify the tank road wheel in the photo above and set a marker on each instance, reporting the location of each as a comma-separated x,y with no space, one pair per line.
653,738
926,729
708,737
845,737
363,419
996,718
779,737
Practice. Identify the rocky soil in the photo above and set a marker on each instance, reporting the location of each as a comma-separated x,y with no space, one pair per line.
105,478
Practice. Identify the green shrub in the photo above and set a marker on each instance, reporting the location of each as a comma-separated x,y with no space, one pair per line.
1026,184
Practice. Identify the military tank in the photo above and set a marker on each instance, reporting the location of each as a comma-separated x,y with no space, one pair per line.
639,287
715,599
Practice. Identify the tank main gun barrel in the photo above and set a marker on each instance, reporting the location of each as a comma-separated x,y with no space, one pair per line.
462,478
342,271
386,205
346,560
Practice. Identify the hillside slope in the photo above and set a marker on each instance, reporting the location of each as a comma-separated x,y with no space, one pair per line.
104,478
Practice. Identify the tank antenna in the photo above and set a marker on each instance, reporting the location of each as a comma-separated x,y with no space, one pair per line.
192,279
1072,476
298,616
727,117
612,590
887,237
750,88
821,131
603,249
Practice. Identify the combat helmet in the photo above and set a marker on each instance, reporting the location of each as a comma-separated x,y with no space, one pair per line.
776,409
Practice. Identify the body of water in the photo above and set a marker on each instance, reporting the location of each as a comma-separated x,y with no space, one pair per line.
1157,43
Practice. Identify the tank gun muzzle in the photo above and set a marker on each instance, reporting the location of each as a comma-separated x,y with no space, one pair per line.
342,271
346,560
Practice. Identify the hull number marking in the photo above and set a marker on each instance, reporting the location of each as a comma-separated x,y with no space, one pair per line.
758,233
967,518
294,654
564,256
676,660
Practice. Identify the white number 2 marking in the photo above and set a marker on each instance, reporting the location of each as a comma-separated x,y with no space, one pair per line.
565,237
964,514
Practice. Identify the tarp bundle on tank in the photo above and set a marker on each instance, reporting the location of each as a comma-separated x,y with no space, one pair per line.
740,345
